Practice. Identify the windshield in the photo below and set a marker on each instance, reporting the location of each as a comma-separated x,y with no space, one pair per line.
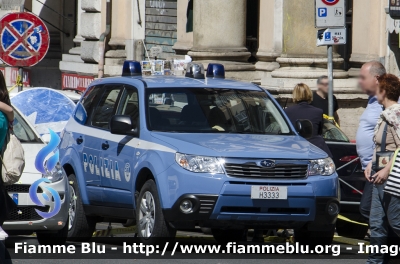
330,132
22,131
214,111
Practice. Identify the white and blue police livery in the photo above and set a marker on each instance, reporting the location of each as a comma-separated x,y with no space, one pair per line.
173,153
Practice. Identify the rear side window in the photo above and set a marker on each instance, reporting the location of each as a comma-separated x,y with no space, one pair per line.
85,108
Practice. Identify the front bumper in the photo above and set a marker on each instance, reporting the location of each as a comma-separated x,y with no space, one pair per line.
24,217
221,201
209,212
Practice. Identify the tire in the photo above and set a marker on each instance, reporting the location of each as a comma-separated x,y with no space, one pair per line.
53,238
224,236
313,238
148,207
81,227
351,230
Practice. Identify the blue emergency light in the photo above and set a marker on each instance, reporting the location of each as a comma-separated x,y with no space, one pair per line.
216,70
131,68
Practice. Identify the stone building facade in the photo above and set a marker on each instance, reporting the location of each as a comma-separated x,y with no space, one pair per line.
269,42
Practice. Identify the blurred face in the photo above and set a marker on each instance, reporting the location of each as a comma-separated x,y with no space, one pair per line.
367,81
323,86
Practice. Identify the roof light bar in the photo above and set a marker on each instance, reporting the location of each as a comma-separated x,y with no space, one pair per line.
195,70
131,68
215,70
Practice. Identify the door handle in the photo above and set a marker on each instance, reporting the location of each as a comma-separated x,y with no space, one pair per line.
105,146
79,140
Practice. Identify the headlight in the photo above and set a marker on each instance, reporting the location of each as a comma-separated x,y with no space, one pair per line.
55,175
199,163
324,167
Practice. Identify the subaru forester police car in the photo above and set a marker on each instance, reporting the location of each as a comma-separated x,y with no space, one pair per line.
174,153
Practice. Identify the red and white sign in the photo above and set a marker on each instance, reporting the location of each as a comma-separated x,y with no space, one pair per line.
26,77
76,81
11,74
24,39
330,2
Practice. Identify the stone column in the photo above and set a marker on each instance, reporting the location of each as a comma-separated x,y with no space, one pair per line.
219,32
301,58
78,38
134,43
369,33
270,36
120,32
185,39
74,54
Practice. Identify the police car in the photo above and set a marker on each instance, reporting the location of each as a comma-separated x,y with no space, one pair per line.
178,152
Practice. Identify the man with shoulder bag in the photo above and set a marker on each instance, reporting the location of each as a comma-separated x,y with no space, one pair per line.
368,82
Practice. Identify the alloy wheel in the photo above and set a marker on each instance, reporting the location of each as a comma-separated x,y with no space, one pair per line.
72,207
147,215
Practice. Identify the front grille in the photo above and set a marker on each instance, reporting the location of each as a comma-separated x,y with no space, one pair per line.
251,169
20,188
27,213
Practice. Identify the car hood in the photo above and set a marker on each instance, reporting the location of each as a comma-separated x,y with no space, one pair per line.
242,146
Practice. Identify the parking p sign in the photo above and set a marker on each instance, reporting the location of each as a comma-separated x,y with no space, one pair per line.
330,13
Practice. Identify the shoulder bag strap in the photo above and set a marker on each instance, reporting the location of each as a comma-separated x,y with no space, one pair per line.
4,148
384,135
4,165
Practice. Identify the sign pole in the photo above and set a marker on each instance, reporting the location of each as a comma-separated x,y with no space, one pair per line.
330,79
20,69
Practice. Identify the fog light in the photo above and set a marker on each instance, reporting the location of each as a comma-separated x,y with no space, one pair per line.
333,209
186,206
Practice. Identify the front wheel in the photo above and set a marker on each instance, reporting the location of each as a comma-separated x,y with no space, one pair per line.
80,227
150,218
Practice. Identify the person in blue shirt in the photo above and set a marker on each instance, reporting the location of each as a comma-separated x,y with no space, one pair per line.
368,82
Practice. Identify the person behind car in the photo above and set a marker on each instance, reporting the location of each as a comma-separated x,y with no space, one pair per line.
320,98
368,82
6,119
302,97
387,139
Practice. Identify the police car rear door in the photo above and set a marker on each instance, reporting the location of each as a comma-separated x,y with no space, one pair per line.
121,154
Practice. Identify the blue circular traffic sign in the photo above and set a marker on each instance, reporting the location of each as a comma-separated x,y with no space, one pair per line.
330,2
24,39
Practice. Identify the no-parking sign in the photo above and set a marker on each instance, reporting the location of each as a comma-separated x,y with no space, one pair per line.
24,39
330,13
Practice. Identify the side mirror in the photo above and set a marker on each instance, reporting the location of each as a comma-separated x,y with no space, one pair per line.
123,125
305,128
